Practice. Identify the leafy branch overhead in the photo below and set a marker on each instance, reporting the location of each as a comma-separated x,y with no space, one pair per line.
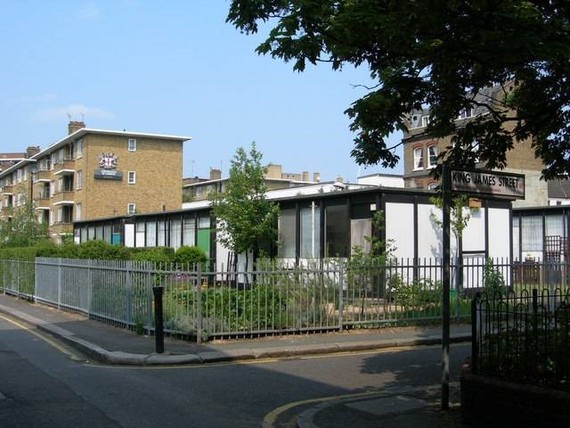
441,54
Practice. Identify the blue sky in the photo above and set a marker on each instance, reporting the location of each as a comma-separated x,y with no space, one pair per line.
171,67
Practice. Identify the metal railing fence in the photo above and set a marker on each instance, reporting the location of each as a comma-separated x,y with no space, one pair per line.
319,296
523,336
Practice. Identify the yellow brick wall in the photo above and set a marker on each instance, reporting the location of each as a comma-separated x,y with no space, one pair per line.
158,168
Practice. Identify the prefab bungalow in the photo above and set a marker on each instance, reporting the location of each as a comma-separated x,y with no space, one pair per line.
323,221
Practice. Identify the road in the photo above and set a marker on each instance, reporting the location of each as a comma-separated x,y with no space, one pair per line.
43,384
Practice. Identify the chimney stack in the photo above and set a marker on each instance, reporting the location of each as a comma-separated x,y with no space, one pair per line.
74,126
215,174
31,151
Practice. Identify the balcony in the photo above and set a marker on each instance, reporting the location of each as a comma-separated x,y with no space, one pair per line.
66,197
42,202
43,175
66,166
8,189
61,227
7,211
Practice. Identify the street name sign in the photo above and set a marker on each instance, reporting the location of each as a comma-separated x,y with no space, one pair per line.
488,183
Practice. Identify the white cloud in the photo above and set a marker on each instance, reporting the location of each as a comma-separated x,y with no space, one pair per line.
89,12
73,111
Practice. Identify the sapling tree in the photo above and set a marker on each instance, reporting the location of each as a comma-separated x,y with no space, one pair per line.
245,217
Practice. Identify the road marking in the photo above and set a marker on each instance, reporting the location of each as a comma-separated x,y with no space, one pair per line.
46,339
271,418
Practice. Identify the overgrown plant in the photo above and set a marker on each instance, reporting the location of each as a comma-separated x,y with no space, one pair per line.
366,270
460,214
493,281
21,228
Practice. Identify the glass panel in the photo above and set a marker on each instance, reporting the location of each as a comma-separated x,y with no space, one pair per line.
99,233
151,234
161,234
555,225
189,232
310,232
337,232
107,232
516,239
175,233
531,234
203,222
287,233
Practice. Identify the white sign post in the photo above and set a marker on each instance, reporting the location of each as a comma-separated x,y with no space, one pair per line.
487,183
470,182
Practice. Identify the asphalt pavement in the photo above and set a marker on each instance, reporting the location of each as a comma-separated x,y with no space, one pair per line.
407,407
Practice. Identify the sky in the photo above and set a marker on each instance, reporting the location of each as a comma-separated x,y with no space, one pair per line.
171,67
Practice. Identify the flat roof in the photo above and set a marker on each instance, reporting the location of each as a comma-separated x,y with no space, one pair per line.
84,131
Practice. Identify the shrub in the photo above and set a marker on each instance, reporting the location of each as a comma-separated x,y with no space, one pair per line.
100,250
158,255
190,256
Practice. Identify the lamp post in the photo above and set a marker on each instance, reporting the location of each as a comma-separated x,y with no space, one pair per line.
446,279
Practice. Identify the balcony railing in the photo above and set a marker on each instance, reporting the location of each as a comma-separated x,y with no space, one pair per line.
7,211
61,227
63,197
42,202
8,188
43,175
66,165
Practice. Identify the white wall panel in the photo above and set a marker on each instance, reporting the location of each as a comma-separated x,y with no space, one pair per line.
429,232
499,232
474,232
400,228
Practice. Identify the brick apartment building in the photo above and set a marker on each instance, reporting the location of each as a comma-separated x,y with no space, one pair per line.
198,189
421,154
93,174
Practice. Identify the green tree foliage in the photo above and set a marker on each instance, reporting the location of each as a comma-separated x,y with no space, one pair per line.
245,217
22,228
439,54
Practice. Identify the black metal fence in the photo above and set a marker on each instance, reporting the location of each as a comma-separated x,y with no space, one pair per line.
523,336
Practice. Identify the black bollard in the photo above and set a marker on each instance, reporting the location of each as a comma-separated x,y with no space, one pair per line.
158,320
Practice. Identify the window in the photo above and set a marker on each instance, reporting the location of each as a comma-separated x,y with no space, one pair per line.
78,212
151,234
432,156
131,209
425,121
466,113
132,146
310,232
287,234
79,180
418,158
140,231
161,233
433,185
189,232
337,231
79,149
131,177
